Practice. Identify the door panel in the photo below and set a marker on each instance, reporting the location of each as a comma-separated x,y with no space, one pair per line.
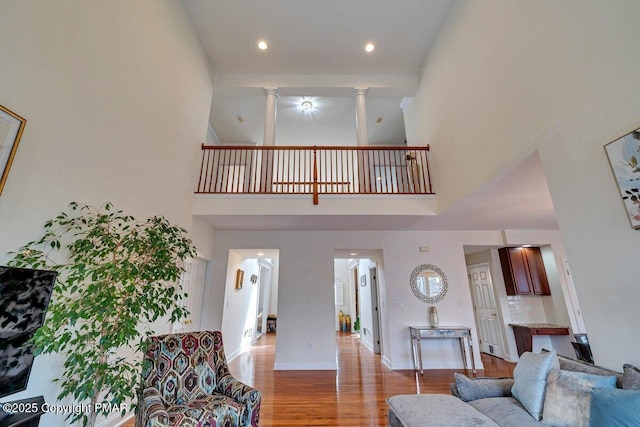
487,319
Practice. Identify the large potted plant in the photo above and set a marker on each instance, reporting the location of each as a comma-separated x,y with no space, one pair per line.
116,276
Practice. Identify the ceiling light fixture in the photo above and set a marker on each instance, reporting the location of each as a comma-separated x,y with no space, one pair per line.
260,253
306,105
262,45
369,47
353,254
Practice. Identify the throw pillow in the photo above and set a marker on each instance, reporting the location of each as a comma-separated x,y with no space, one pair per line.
530,380
631,377
612,407
480,388
568,397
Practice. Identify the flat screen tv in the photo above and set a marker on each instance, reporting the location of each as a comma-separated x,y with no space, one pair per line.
24,298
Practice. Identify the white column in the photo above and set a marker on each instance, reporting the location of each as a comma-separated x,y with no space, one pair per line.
361,117
269,138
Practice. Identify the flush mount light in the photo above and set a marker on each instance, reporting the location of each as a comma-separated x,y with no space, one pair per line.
306,105
369,47
262,45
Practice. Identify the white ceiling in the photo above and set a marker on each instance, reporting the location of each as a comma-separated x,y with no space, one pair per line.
316,36
316,51
313,38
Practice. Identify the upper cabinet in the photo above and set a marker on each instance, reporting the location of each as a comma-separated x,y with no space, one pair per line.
523,271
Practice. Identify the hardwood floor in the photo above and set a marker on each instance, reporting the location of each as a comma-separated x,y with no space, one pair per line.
354,395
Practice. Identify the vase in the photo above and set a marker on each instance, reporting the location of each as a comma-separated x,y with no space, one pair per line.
433,317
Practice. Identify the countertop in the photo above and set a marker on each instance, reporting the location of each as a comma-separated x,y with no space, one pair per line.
538,326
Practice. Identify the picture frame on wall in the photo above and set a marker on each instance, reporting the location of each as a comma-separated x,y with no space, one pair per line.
624,159
11,129
239,279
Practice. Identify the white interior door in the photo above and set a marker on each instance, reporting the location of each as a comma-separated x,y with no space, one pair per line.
192,281
486,312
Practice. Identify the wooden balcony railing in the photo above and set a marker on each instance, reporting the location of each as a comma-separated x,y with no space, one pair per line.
314,170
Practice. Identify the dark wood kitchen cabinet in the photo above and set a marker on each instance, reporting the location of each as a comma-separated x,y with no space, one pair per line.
523,271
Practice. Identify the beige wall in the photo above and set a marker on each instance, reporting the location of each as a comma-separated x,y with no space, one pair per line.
117,97
507,78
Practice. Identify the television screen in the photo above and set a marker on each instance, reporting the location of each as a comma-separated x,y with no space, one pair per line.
24,297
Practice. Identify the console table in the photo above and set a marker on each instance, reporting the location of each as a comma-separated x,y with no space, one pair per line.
462,333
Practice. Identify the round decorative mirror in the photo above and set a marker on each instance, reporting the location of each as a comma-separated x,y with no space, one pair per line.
429,283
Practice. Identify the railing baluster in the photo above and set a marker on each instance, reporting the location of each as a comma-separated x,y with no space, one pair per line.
314,170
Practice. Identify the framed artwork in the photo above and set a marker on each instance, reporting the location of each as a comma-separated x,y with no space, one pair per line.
624,158
363,280
239,278
11,128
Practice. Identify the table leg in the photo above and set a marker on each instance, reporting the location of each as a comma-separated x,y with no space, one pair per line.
419,345
413,351
463,351
473,362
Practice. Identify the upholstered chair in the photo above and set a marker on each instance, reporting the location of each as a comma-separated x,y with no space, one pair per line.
186,382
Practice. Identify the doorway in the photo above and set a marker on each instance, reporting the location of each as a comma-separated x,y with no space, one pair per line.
485,310
360,271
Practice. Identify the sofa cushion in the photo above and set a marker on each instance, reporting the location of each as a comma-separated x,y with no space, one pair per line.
612,407
567,364
568,397
480,388
631,377
530,380
505,411
435,410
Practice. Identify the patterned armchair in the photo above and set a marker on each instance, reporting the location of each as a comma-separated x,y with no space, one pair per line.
186,382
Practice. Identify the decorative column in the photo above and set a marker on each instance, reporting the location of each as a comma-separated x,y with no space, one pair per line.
269,140
364,178
361,117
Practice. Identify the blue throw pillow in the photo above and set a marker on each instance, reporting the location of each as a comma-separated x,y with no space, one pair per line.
568,397
613,407
530,380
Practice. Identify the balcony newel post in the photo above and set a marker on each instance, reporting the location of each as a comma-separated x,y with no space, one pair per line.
315,176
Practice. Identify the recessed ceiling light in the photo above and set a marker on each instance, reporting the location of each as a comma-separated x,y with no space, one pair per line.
306,105
353,254
260,253
369,47
262,45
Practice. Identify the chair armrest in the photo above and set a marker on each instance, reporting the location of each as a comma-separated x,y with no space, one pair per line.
468,389
152,412
240,392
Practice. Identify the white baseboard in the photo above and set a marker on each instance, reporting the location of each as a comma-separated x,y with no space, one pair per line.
387,362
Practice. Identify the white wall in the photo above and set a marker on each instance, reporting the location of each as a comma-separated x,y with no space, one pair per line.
116,96
240,305
506,78
306,299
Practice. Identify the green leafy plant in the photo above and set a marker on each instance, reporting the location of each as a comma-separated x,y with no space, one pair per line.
115,276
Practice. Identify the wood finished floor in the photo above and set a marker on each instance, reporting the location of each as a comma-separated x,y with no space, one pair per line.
352,396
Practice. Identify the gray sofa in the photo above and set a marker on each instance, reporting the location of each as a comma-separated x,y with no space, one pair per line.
489,401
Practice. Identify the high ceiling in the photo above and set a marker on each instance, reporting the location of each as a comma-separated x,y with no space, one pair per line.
316,52
325,37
